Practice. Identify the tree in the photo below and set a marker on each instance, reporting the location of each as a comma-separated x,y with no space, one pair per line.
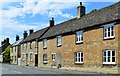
6,55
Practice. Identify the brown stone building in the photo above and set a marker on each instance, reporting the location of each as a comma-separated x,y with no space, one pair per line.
88,41
29,51
15,51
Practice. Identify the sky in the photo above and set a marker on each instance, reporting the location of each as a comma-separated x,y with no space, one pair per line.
17,16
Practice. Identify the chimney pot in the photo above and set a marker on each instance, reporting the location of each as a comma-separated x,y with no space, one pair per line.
80,3
52,22
25,34
17,37
31,31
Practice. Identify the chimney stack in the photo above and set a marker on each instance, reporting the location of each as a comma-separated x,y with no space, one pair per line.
52,22
25,34
7,40
31,31
17,37
80,10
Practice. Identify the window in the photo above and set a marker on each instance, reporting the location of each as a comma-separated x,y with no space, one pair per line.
53,56
23,57
15,58
36,42
44,58
31,56
79,37
108,31
30,45
23,46
15,48
78,57
12,58
45,43
26,45
108,57
59,40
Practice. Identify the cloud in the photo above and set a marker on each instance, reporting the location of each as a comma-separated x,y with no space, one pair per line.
9,12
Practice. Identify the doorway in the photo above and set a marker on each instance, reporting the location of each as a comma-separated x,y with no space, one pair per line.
36,59
26,59
58,59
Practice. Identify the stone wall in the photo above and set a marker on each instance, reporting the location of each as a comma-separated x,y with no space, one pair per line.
92,47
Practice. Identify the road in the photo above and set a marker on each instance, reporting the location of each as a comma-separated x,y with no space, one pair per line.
15,69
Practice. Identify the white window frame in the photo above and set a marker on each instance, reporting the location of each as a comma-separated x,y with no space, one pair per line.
53,56
79,36
45,59
36,43
31,57
59,40
45,43
77,57
26,45
106,62
106,27
15,58
23,57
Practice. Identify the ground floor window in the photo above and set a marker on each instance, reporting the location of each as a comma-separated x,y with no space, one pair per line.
23,57
78,57
31,56
53,56
109,57
15,58
44,58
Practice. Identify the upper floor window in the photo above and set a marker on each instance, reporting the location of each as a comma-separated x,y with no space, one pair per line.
59,40
45,43
26,45
78,57
109,57
36,42
79,36
30,45
15,48
109,31
23,46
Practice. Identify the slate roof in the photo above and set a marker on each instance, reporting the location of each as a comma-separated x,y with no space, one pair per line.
35,35
104,15
17,42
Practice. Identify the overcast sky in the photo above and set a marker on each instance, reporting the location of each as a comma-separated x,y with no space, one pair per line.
16,16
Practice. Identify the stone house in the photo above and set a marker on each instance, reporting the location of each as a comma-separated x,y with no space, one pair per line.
29,51
4,44
88,41
15,51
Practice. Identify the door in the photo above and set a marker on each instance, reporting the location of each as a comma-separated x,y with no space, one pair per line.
36,59
26,59
18,61
58,59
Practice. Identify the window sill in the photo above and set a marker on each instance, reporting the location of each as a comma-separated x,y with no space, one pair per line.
59,45
78,62
107,38
44,47
79,42
109,63
44,62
